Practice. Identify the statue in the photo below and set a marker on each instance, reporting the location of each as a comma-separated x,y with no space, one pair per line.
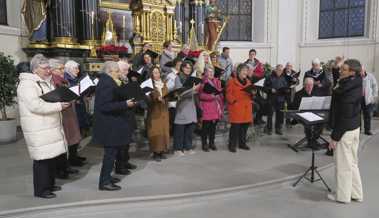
213,20
109,34
35,16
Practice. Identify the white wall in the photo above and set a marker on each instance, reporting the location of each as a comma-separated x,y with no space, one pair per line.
287,30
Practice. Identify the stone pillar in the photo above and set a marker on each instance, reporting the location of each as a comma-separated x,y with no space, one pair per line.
88,20
63,21
179,18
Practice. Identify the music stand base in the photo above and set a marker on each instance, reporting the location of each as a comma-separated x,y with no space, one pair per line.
312,170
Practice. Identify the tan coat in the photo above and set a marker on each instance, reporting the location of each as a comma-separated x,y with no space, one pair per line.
158,130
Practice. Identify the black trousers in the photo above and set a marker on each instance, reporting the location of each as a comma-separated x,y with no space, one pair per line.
208,131
73,151
275,107
171,115
237,134
109,158
43,175
183,136
122,157
62,163
367,111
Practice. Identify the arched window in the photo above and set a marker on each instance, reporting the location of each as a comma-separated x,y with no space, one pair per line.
3,12
239,27
342,18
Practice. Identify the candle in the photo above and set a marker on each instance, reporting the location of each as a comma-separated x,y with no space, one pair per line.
92,17
123,22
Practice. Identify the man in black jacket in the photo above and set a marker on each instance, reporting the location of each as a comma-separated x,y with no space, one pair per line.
277,87
110,127
345,121
322,84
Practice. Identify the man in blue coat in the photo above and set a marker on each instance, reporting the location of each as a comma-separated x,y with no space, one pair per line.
109,125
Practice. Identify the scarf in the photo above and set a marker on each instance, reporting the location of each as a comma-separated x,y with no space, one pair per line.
159,86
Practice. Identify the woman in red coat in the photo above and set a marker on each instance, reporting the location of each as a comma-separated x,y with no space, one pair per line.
212,106
240,108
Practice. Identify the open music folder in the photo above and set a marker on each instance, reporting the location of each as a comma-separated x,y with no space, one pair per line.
315,103
67,94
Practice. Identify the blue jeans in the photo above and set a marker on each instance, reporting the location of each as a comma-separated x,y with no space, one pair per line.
183,136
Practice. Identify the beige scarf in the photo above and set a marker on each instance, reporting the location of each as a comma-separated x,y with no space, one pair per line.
159,85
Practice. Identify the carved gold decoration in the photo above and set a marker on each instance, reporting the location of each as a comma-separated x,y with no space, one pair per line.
220,30
153,21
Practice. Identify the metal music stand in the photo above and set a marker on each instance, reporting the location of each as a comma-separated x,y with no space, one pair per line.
312,169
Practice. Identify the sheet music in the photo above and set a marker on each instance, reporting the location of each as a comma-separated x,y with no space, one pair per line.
85,83
148,83
260,83
315,103
75,89
140,71
309,116
96,81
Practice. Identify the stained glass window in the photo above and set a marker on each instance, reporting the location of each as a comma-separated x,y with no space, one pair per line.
240,17
342,18
3,12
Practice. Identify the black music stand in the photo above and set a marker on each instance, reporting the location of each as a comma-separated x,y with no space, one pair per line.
312,169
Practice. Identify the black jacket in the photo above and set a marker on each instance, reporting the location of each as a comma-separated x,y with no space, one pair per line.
346,106
110,127
321,77
299,95
280,84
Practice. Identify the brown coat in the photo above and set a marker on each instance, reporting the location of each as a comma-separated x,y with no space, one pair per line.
69,119
158,130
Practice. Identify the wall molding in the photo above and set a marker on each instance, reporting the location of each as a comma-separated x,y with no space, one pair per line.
246,45
10,31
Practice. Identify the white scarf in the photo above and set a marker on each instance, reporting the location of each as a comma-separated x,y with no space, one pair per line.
159,85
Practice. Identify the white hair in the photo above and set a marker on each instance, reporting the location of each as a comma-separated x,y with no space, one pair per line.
37,60
122,63
70,66
55,63
316,61
109,66
309,80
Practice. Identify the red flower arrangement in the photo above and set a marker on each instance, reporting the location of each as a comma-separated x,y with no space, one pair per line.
194,54
112,49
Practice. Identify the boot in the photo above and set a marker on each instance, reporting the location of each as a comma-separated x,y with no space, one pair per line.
204,144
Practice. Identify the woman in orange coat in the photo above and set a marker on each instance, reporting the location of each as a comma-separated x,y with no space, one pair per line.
240,108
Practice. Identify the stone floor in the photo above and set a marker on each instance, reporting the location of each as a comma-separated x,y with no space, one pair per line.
215,184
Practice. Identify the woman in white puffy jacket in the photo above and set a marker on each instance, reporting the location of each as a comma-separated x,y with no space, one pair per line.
41,125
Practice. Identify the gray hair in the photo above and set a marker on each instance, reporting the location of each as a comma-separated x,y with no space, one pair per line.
109,66
309,80
37,60
55,63
70,65
241,67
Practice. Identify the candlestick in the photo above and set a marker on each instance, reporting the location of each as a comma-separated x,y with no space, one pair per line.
92,17
123,22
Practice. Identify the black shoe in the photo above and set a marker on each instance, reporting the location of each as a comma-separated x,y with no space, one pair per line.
115,180
62,175
368,133
122,171
72,170
205,148
47,195
162,156
109,187
56,188
232,149
268,131
213,147
259,122
329,152
130,166
278,132
244,147
76,162
81,158
156,157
